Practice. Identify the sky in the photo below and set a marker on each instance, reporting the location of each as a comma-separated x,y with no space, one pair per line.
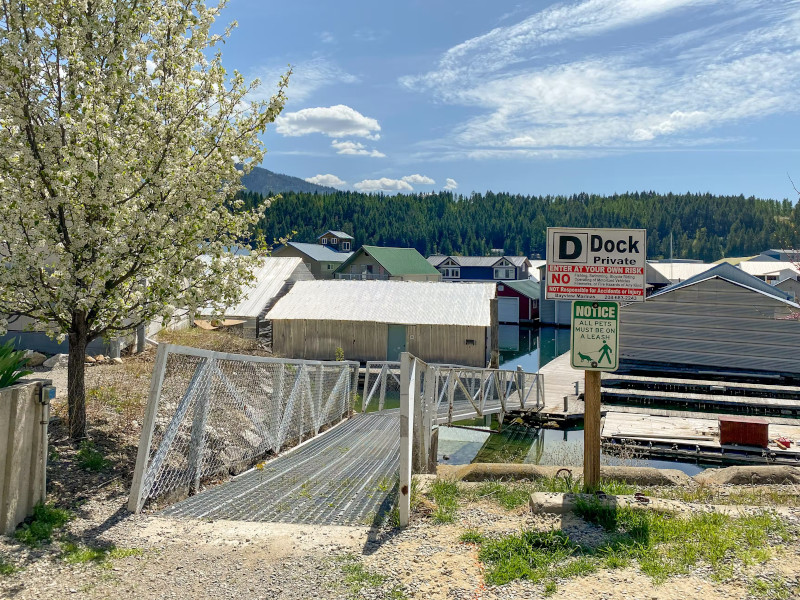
596,96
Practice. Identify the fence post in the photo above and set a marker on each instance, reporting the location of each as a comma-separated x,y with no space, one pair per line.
134,501
366,387
199,419
382,397
451,395
407,396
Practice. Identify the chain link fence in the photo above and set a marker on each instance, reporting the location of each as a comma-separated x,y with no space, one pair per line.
211,415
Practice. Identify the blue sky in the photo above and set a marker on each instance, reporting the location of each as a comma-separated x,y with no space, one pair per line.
597,96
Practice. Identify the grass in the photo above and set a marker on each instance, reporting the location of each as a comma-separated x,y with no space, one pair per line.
445,495
6,568
74,553
89,458
738,496
663,545
511,495
39,529
357,577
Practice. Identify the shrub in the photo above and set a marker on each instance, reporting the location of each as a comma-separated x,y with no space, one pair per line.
11,364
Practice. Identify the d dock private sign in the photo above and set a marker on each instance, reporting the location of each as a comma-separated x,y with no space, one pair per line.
596,264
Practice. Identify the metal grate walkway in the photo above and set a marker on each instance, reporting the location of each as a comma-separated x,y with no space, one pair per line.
346,476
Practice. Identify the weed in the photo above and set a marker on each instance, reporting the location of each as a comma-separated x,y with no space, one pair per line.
445,496
53,455
338,355
770,589
6,568
74,553
510,495
89,458
39,529
530,555
471,536
550,588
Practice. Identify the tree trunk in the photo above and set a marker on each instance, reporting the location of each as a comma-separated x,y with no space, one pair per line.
76,387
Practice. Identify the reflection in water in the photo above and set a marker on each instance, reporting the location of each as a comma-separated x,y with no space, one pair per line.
533,347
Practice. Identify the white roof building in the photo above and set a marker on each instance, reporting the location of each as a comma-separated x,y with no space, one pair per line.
398,302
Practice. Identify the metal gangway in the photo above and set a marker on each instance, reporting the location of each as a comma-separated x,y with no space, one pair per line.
461,393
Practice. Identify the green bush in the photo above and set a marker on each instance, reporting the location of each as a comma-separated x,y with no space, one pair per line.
89,458
11,364
39,529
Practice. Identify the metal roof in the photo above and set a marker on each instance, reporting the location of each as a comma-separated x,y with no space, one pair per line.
270,277
679,271
400,302
320,253
733,275
526,287
477,261
339,234
761,268
396,261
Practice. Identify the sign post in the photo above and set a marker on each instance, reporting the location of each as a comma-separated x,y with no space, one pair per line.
596,268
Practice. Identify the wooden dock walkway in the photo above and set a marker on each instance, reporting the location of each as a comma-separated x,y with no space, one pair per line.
560,381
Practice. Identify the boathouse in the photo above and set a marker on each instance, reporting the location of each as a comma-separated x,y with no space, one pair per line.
719,321
377,320
272,279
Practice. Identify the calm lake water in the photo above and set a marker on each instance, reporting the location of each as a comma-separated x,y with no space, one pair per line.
531,347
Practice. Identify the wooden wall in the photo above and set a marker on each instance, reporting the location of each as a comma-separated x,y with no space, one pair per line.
318,340
713,324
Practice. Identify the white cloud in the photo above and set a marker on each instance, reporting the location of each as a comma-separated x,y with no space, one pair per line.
450,184
307,77
355,149
669,93
383,184
333,121
328,180
418,179
326,37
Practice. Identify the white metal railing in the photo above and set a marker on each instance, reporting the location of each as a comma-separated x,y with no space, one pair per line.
211,413
459,392
362,276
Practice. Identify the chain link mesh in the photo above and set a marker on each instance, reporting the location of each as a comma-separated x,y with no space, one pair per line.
218,415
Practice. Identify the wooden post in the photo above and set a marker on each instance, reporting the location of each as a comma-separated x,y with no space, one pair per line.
140,339
591,429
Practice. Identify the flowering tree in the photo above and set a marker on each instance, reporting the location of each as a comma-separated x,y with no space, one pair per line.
122,140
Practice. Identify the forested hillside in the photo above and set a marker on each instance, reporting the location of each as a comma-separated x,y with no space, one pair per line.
265,182
703,226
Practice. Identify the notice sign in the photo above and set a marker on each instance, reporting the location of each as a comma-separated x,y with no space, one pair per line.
595,335
596,264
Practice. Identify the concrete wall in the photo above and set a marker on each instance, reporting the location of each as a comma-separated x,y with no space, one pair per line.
23,452
363,341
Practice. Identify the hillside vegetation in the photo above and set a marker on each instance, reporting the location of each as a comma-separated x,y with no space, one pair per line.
703,226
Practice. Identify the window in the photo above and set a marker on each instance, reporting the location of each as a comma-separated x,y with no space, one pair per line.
323,241
451,272
504,273
345,245
334,241
330,266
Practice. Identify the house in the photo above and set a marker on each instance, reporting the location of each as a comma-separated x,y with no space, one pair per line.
481,268
321,259
337,240
518,301
722,320
771,270
377,320
783,254
274,277
396,264
675,271
791,286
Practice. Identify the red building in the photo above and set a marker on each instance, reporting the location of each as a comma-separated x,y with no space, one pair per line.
518,301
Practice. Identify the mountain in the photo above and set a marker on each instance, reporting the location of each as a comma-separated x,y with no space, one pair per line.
263,181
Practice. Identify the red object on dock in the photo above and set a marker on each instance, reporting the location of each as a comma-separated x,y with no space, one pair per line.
744,431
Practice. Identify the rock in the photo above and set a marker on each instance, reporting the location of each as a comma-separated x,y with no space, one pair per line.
89,359
117,360
99,358
35,359
56,361
750,475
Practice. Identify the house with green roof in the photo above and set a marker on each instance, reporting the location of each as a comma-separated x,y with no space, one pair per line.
397,264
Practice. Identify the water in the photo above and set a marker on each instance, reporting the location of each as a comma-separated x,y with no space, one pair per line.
531,347
537,446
